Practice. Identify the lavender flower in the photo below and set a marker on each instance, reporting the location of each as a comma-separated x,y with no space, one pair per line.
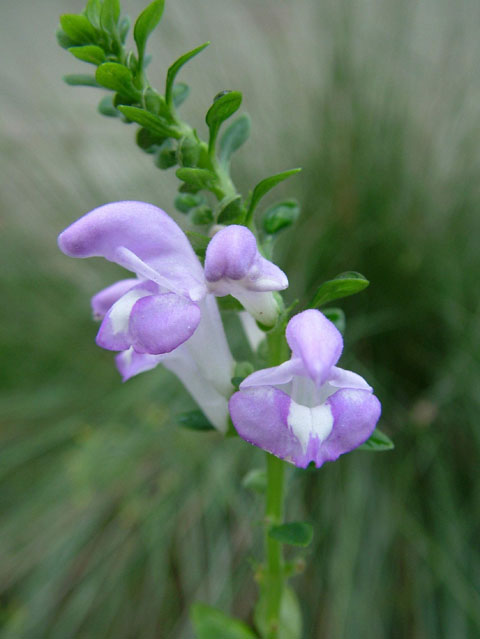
307,409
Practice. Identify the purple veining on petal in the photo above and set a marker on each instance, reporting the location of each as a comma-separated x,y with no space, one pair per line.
230,253
260,417
146,232
104,299
314,339
355,413
160,323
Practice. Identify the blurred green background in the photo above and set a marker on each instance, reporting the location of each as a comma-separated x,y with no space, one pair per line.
113,520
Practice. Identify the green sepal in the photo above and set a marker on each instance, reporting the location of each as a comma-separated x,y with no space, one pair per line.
201,215
175,68
184,202
377,442
280,216
225,104
295,533
229,303
231,211
342,285
80,80
117,77
256,480
266,185
199,242
337,317
196,179
78,28
180,93
146,23
106,107
194,420
149,121
233,138
89,53
92,12
210,623
109,15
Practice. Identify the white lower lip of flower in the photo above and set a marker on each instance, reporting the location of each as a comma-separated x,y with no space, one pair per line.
308,422
120,312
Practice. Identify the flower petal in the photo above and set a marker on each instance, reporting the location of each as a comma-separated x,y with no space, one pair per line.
160,323
341,378
233,266
104,299
114,334
131,363
274,376
140,237
355,414
316,341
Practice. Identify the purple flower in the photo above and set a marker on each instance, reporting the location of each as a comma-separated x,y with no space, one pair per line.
306,409
167,314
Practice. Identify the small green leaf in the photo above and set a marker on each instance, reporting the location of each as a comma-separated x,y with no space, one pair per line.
89,53
296,533
146,23
117,77
166,156
233,138
80,80
92,12
78,28
224,106
199,243
154,102
255,480
336,316
377,442
280,216
201,215
210,623
175,68
266,185
343,285
106,107
231,211
188,152
153,123
63,40
196,178
148,141
180,93
194,420
109,15
184,202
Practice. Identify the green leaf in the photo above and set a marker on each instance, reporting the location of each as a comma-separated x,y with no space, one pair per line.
255,480
106,107
180,93
343,285
184,202
196,178
89,53
266,185
80,80
224,106
149,121
154,102
109,15
194,420
175,68
336,316
296,533
63,40
148,141
117,77
280,216
146,23
201,215
199,243
233,138
123,28
231,211
92,12
166,156
188,152
78,28
377,442
210,623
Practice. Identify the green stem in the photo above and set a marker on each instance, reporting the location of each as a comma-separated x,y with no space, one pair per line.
274,579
